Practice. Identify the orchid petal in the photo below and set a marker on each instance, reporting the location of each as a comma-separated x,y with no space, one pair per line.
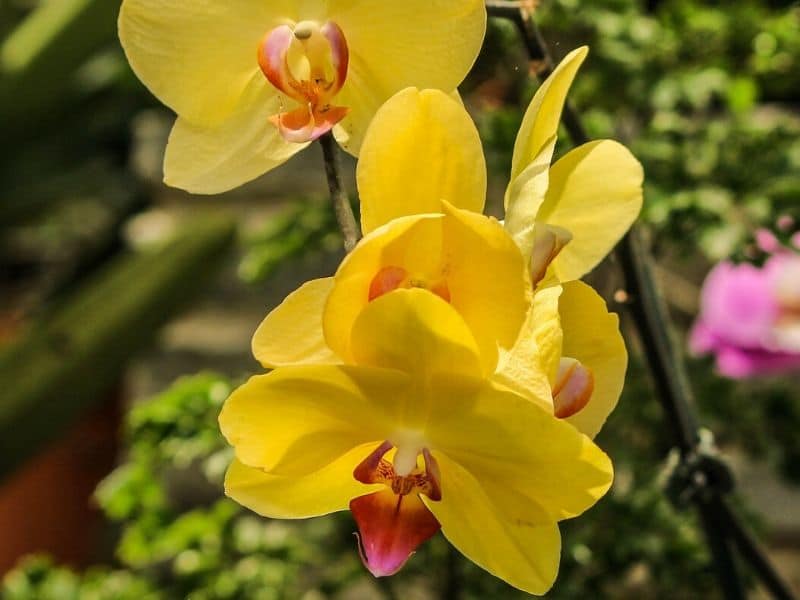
391,45
292,333
421,147
519,448
592,336
416,332
543,116
525,196
325,491
595,194
530,366
297,420
211,160
198,57
524,554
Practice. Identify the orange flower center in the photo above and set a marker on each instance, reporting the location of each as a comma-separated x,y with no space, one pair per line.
389,279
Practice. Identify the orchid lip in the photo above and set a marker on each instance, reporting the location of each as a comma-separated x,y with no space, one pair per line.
309,64
394,521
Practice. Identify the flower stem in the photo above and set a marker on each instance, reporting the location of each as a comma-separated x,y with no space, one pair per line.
341,203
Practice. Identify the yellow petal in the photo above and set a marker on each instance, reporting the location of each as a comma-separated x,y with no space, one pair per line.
541,120
325,491
395,45
421,148
530,367
517,451
487,277
524,197
506,544
214,159
548,333
481,266
296,420
417,332
199,56
595,194
292,333
592,336
391,245
362,102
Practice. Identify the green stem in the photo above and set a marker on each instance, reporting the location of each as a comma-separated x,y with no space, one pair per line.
341,203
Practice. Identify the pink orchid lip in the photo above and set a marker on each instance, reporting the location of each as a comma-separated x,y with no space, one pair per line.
394,521
328,56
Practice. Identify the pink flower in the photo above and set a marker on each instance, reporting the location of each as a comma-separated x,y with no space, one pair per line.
750,317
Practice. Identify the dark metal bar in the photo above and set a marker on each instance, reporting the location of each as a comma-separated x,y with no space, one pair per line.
721,552
753,554
341,203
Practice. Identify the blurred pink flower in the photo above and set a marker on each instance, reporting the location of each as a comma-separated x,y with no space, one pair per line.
750,317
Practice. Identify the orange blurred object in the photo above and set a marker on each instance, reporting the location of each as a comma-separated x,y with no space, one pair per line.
46,505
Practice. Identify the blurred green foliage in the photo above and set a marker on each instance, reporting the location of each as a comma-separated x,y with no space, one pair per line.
301,230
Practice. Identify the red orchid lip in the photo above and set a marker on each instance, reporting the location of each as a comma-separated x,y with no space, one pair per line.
391,528
394,521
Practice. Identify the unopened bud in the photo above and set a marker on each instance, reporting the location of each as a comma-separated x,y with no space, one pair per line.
573,388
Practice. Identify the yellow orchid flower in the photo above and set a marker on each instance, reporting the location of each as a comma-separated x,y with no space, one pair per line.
253,82
570,214
412,439
579,357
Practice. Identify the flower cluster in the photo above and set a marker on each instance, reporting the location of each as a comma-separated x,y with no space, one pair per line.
453,372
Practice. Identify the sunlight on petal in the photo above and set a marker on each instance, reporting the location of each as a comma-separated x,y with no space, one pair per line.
422,147
292,333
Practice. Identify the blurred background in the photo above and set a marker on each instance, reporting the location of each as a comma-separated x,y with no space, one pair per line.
126,309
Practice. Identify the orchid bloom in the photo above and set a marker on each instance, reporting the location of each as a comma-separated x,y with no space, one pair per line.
412,438
579,357
750,317
569,215
254,82
566,217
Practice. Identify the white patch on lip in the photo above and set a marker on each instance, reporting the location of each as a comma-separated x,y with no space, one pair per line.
409,446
